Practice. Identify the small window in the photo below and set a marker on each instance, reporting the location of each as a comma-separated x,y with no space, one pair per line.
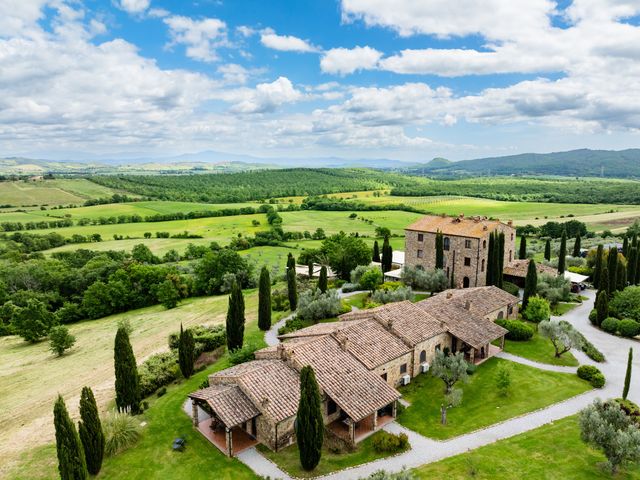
331,407
446,243
419,253
510,310
510,256
484,244
420,237
512,236
423,356
384,376
467,244
438,348
403,368
467,261
482,266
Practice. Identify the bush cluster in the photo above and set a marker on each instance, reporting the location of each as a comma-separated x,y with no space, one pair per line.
518,331
242,355
207,338
385,442
383,296
511,288
592,375
628,327
315,305
157,371
610,325
630,408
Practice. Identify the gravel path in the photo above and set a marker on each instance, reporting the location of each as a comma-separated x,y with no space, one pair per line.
425,450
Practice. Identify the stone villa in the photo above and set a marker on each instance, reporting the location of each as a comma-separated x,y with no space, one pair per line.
466,241
358,361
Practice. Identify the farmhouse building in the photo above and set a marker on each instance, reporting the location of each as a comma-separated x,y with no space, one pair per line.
358,361
466,242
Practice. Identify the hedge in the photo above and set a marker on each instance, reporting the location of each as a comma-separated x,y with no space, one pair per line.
385,442
592,375
157,371
518,331
511,288
628,327
610,325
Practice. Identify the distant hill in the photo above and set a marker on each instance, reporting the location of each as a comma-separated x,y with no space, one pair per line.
574,163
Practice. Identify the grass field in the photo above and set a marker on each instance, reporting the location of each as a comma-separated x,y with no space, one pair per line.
539,349
482,404
52,192
31,376
547,453
333,222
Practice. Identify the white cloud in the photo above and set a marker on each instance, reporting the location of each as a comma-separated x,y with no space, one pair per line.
285,43
134,6
201,37
344,61
264,98
245,31
233,73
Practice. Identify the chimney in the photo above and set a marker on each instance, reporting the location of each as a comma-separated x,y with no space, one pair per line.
344,343
449,294
467,305
280,349
264,402
485,228
510,223
461,216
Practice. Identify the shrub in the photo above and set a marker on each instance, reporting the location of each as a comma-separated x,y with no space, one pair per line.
162,391
628,327
598,380
537,310
554,288
279,301
242,355
511,288
385,442
388,296
60,340
626,304
291,325
518,331
592,352
350,287
631,409
207,338
429,280
157,371
610,325
315,305
121,431
471,368
593,317
586,372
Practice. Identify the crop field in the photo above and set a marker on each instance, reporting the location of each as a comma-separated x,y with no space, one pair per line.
31,376
52,192
334,222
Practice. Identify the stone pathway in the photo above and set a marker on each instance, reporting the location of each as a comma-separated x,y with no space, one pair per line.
425,450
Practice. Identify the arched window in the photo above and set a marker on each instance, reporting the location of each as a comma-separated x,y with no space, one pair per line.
465,282
446,243
482,267
500,315
423,356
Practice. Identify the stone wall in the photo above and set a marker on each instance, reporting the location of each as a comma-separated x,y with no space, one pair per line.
429,345
392,369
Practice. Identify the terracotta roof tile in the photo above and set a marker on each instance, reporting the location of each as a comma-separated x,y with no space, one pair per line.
476,227
229,403
482,300
314,330
518,268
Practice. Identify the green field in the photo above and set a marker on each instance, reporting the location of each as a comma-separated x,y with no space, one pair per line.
482,404
31,376
52,192
334,222
547,453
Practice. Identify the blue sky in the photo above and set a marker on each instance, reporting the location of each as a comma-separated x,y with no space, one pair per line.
408,79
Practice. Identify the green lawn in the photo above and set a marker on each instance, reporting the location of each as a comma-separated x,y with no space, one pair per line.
482,405
289,460
563,308
539,349
551,452
357,300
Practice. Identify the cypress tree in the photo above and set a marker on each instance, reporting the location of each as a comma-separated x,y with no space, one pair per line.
310,270
625,246
376,252
126,370
500,265
90,429
597,268
602,307
547,250
264,300
632,264
186,352
576,246
387,255
522,254
292,289
530,284
604,281
71,461
562,256
439,250
622,276
235,318
309,424
490,260
291,261
637,279
322,281
627,377
612,266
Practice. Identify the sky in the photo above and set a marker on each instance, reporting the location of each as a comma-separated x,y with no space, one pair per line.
401,79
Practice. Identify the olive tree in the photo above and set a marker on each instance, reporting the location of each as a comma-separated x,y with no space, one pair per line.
562,335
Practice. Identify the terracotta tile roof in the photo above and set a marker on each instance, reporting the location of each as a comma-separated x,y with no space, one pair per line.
314,330
267,353
344,379
518,268
260,380
370,343
477,227
229,403
482,300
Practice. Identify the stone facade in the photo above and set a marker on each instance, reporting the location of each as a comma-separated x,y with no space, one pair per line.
392,371
429,347
465,257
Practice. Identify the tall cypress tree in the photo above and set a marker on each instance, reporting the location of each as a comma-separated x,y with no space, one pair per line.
235,318
490,259
500,265
604,281
90,430
576,246
322,281
602,307
310,269
637,279
625,246
621,282
71,461
264,300
186,352
632,264
612,267
291,261
522,254
597,268
387,255
127,380
562,256
376,252
547,250
627,377
292,289
439,250
530,284
309,424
